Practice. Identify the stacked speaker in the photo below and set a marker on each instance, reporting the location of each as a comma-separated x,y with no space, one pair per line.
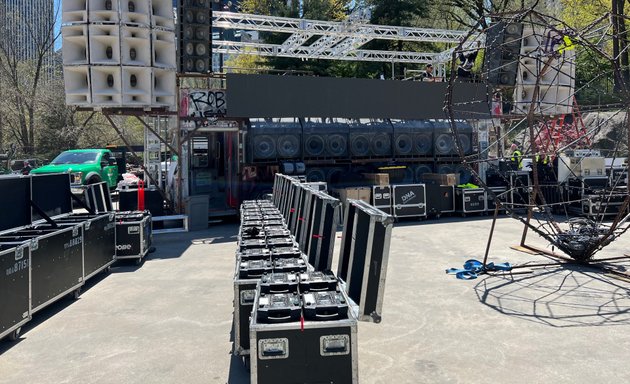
413,138
542,48
503,47
325,139
370,138
195,18
444,143
119,53
270,140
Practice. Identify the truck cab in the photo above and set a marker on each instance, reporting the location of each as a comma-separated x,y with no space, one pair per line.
86,166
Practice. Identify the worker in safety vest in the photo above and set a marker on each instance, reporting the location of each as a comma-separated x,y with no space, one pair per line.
544,166
516,157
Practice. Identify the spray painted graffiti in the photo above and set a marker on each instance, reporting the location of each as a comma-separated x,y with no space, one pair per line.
203,103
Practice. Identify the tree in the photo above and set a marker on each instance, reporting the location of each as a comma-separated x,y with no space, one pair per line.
22,78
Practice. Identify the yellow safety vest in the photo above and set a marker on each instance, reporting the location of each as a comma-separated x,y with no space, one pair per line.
545,159
517,157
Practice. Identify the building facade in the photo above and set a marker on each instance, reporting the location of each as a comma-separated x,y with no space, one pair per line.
27,29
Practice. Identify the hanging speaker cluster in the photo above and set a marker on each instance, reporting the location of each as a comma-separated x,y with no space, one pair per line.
195,19
502,51
119,53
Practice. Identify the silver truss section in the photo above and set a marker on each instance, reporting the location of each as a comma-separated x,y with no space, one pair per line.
306,52
334,40
231,20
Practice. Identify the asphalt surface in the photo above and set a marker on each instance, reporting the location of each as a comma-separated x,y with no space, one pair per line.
170,319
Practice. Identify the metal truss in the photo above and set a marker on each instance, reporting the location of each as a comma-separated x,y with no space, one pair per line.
260,49
333,40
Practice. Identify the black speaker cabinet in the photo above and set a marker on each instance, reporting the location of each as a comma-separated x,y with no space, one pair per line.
373,139
421,169
271,140
413,138
444,144
316,175
325,140
444,169
503,45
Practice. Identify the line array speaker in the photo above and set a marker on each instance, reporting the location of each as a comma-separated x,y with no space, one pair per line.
194,48
502,51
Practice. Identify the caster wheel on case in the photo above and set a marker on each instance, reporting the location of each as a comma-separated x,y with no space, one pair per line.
76,294
13,336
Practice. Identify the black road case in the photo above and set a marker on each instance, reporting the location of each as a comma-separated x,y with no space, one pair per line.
364,256
497,193
409,200
15,263
382,198
304,352
470,200
56,261
133,235
440,199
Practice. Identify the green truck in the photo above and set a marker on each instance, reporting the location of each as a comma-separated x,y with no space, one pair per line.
86,166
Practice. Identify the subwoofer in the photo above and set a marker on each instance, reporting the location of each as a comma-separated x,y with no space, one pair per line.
420,170
446,168
371,139
325,139
75,44
445,145
103,11
465,175
314,175
277,139
413,137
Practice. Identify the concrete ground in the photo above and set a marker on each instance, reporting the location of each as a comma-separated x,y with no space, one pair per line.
170,320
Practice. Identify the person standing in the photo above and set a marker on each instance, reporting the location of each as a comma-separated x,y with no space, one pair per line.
516,157
427,75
